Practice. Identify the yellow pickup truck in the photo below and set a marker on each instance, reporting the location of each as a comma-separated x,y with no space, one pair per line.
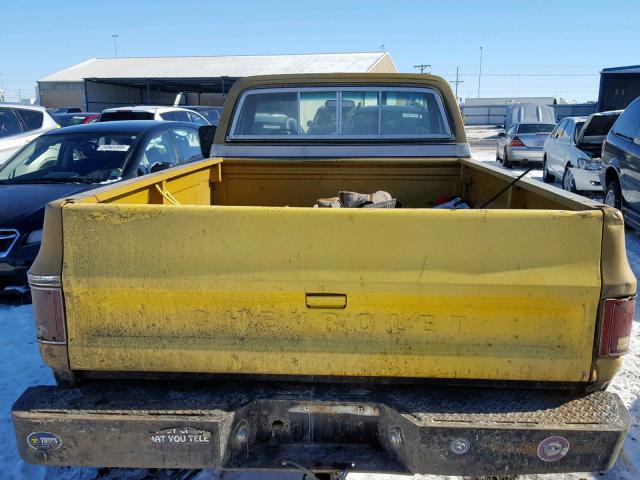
242,312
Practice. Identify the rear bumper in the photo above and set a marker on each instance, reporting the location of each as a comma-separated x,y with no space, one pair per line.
403,429
526,154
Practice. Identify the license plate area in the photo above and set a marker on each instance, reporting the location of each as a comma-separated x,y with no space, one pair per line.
309,423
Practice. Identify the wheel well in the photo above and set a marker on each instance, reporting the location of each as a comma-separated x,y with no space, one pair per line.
610,176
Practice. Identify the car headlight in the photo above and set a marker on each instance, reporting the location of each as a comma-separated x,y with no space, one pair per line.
34,237
588,164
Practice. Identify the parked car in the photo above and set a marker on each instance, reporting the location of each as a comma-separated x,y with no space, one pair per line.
68,119
212,114
149,112
56,111
621,155
572,151
69,160
19,124
522,143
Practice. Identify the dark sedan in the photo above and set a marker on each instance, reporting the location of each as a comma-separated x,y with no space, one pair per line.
621,155
70,160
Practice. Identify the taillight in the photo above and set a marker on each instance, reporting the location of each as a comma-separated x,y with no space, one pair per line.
48,308
516,142
617,320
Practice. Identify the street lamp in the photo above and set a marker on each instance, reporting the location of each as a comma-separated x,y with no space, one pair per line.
480,72
115,44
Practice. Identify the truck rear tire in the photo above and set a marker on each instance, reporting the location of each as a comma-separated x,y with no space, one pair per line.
66,378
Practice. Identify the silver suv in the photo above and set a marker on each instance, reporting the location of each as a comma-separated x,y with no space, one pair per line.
19,124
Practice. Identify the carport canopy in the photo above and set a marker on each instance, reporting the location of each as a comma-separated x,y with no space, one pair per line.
101,93
172,85
102,83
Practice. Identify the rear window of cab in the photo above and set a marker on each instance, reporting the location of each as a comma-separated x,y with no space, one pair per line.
284,114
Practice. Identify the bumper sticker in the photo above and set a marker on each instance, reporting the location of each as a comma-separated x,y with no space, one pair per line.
180,436
460,446
552,449
44,441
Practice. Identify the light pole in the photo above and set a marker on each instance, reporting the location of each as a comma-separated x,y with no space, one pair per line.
457,82
115,44
480,72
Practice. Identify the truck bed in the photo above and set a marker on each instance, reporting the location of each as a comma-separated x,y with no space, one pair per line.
228,269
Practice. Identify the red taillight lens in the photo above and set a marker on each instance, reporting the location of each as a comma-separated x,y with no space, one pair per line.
617,320
48,308
516,142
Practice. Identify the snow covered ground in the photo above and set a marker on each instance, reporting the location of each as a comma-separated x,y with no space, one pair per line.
20,367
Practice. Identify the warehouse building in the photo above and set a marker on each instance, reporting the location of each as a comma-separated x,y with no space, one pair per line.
619,86
102,83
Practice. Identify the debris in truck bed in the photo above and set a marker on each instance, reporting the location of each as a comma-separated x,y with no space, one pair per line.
345,199
455,202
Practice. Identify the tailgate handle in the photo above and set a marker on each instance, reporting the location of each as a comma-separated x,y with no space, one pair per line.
326,300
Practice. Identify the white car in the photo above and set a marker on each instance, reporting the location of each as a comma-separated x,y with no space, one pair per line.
572,151
19,124
150,112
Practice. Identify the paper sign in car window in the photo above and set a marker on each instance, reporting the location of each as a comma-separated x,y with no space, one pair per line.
113,148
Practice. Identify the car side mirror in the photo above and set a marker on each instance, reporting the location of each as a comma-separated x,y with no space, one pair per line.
501,134
206,134
159,166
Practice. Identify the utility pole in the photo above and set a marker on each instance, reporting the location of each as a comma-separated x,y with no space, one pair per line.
457,81
480,72
115,44
422,67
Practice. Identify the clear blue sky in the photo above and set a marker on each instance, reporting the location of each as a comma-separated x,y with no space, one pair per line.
531,48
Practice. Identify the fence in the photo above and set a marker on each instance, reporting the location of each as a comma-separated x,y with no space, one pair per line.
495,114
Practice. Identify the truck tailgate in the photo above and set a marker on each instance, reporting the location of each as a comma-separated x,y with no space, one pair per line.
467,294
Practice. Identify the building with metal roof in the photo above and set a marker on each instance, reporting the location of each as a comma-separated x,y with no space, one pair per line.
101,83
619,86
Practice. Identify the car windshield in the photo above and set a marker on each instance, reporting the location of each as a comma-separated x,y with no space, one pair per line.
535,127
75,158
